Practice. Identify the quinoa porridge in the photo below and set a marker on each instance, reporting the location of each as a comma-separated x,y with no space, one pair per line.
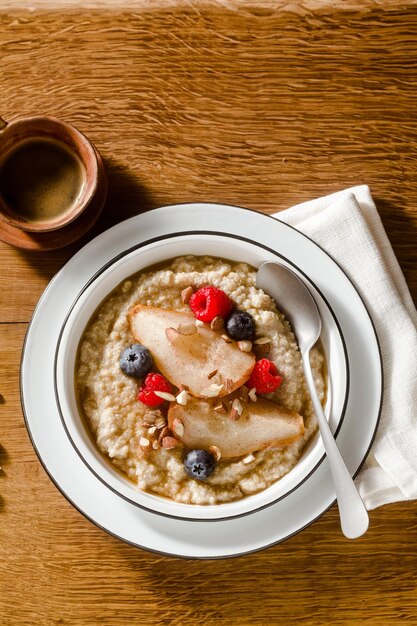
128,432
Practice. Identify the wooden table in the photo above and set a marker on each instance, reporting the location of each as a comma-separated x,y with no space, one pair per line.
235,103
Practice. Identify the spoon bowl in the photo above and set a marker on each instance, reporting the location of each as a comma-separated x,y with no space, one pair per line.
295,300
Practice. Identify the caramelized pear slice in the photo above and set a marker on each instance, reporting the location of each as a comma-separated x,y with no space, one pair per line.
187,354
263,424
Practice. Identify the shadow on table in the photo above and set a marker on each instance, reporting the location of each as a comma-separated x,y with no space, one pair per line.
126,197
401,229
315,571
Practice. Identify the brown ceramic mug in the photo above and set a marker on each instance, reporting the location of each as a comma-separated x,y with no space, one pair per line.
33,148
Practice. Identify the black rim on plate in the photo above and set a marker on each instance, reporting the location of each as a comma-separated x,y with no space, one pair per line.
93,278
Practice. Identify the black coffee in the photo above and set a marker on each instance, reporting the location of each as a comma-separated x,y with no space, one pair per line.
41,179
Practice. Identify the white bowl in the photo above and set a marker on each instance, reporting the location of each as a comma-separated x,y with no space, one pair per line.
108,278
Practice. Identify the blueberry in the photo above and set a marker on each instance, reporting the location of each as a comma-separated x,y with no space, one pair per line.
199,464
240,325
136,360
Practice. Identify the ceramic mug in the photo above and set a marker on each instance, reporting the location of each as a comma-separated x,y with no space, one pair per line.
33,149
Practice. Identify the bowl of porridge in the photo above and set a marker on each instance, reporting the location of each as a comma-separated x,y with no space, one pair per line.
180,384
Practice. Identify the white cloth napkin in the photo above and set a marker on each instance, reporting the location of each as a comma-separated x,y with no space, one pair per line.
347,225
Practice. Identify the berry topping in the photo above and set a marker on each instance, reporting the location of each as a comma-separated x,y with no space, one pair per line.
240,325
199,464
264,377
153,382
209,302
136,360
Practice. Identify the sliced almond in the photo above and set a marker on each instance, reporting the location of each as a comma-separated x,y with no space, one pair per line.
152,430
229,385
227,339
182,398
263,349
171,334
155,445
215,451
234,415
212,391
199,323
244,346
221,409
178,427
213,373
165,432
262,346
248,459
144,442
261,341
164,395
252,394
186,294
237,405
187,329
169,443
217,323
160,422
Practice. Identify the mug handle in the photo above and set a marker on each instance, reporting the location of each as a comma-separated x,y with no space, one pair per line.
3,123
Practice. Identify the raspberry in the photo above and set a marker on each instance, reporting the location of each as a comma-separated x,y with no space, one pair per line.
208,302
153,382
264,377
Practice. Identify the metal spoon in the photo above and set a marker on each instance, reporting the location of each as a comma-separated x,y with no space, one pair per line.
296,302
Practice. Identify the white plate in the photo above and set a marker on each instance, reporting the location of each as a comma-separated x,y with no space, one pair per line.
210,539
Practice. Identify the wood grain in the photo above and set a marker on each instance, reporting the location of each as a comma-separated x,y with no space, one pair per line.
231,102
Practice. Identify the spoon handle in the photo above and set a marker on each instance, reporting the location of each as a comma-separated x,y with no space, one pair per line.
354,518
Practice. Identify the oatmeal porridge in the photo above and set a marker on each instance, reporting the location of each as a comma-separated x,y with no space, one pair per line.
209,410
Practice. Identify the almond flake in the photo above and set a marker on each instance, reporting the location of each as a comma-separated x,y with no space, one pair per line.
182,398
244,346
234,415
229,385
160,422
213,373
178,427
237,405
155,445
169,443
143,442
165,432
261,341
248,459
214,450
252,394
263,349
212,391
165,396
171,334
187,329
186,294
227,339
217,323
152,430
199,323
220,408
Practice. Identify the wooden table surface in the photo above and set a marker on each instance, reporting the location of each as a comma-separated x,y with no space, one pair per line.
226,102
